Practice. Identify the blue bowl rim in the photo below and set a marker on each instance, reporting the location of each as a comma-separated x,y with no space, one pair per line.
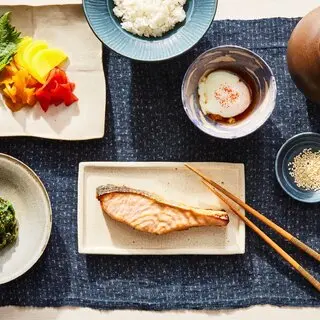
277,169
151,60
273,79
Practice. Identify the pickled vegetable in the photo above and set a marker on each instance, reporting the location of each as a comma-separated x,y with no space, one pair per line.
17,87
57,89
46,60
18,58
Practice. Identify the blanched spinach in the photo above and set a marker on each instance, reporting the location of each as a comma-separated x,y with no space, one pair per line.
8,224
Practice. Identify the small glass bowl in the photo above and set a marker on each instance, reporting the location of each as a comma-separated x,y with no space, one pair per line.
286,154
235,59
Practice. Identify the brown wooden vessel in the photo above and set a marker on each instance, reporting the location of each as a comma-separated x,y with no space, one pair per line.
303,55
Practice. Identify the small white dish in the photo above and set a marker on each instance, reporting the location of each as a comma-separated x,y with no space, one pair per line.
23,188
99,234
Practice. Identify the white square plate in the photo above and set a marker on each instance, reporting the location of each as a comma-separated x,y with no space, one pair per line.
64,27
99,234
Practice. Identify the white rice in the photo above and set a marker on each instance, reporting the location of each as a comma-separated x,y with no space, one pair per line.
149,17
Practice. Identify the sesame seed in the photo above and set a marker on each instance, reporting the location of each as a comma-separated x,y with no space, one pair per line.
305,169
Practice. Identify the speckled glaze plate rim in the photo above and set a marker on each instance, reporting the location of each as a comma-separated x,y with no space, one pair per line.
278,166
48,226
244,132
137,57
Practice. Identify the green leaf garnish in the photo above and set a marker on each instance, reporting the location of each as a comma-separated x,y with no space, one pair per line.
9,39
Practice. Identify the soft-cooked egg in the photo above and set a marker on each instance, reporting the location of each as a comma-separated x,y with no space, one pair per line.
223,93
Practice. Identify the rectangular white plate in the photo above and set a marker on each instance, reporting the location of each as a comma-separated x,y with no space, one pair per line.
63,27
99,234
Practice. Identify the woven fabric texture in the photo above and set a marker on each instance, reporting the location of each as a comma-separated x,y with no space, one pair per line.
146,122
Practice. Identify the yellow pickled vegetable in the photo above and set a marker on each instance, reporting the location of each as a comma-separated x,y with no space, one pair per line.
37,58
44,61
18,58
29,52
32,49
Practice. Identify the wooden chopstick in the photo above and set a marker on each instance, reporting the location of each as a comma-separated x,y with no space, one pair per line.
260,216
268,240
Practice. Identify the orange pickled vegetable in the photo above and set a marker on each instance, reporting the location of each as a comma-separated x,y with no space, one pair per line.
18,87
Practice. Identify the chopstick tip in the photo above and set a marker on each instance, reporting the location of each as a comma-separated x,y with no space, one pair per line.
189,167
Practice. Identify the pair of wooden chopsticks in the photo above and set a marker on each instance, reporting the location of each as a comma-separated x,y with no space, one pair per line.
214,187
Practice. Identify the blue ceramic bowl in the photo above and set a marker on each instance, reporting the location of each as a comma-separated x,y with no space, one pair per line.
287,152
106,26
239,60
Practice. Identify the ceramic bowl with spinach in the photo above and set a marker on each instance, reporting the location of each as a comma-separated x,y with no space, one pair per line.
22,190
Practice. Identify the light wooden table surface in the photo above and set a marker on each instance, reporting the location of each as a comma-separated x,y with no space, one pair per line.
227,9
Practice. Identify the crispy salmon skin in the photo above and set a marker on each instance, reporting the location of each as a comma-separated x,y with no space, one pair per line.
148,212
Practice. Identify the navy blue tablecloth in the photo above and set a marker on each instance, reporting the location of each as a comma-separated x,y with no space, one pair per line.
146,122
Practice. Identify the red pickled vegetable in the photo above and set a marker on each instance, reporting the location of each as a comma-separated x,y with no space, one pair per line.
56,90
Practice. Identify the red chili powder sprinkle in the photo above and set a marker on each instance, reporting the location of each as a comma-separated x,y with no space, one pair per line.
226,95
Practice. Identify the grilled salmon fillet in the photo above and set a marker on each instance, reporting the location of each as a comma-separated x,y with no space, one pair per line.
148,212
